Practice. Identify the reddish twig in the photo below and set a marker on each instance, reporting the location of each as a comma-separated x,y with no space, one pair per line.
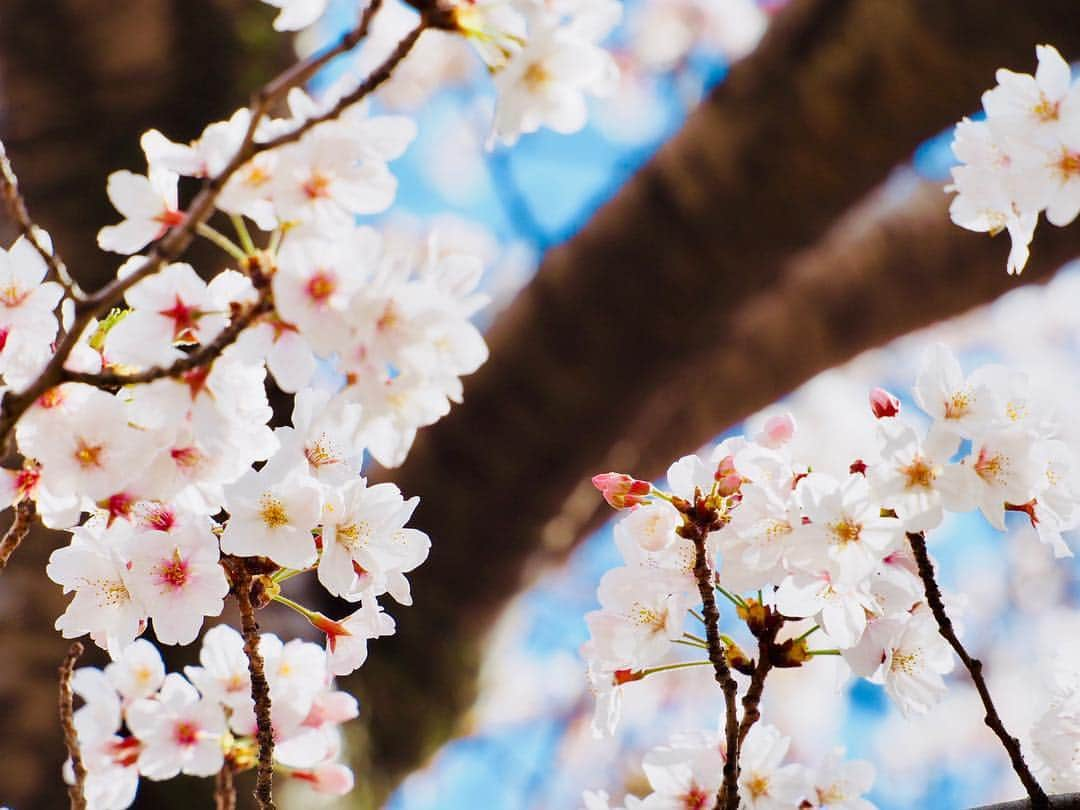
76,793
1039,800
17,531
225,787
699,520
260,692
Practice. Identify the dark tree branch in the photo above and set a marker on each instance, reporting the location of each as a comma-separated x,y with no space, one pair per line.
76,793
699,519
260,692
225,787
751,701
21,522
1037,795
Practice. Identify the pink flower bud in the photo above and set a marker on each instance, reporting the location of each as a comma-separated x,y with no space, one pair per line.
725,467
728,485
883,404
777,432
620,490
333,779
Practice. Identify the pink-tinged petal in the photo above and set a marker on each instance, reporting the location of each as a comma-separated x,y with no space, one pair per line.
129,236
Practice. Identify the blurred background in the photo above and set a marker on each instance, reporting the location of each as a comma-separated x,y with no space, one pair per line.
754,220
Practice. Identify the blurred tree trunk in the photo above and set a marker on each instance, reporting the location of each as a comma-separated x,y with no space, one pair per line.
598,362
79,82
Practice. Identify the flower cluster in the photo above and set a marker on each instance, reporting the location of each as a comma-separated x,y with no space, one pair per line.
544,57
136,720
687,773
829,551
1024,158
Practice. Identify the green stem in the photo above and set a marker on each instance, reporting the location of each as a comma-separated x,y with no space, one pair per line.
682,665
303,611
824,652
221,240
696,615
242,233
693,644
659,493
736,600
698,639
809,632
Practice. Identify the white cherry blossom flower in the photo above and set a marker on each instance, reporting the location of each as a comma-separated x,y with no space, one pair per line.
764,783
179,580
138,671
272,515
149,206
347,652
179,731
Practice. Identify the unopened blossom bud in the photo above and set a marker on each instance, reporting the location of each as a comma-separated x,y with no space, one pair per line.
755,614
777,432
738,660
728,480
883,404
333,778
791,653
620,490
263,591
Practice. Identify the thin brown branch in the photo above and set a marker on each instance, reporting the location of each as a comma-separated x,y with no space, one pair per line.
365,88
76,793
17,531
225,787
751,701
16,205
260,693
699,520
202,356
176,241
1039,800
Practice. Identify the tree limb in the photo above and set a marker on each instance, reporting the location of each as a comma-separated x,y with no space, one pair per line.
76,792
1011,744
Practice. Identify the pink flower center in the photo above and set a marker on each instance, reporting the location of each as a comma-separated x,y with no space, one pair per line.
321,286
186,457
173,572
186,734
87,455
170,218
317,186
696,799
160,518
184,320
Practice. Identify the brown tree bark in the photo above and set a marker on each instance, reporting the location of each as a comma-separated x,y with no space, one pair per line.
837,94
